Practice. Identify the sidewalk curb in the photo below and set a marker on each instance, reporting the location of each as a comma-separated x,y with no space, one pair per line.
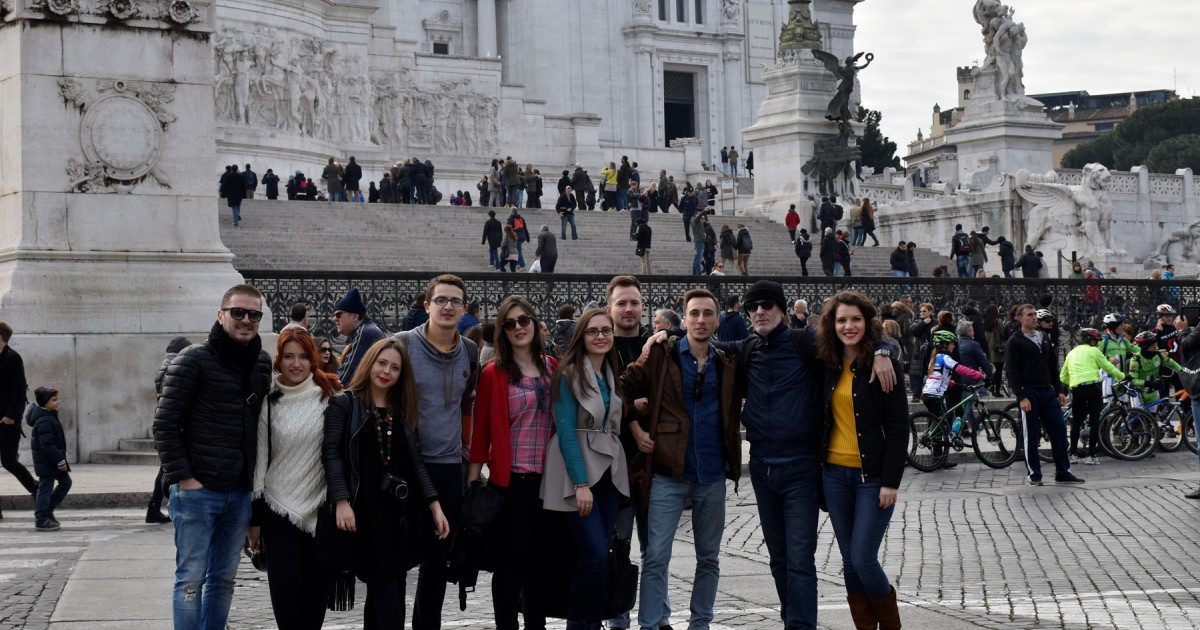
81,500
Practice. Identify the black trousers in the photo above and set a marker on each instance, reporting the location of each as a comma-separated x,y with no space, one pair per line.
10,443
297,584
804,266
1086,402
449,481
384,608
516,534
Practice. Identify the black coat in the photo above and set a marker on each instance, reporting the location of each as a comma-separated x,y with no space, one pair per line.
899,260
1030,265
271,181
206,423
828,248
47,441
1008,256
803,246
881,422
344,419
352,176
493,232
912,263
12,384
233,188
643,236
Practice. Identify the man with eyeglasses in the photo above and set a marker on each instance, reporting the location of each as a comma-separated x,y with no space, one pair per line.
694,446
205,431
350,317
445,366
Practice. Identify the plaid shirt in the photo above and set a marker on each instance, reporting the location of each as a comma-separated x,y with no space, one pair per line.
530,421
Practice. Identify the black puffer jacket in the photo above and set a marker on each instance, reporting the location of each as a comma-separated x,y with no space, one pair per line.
344,419
206,423
47,441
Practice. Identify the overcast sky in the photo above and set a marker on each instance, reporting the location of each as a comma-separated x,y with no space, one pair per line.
1101,46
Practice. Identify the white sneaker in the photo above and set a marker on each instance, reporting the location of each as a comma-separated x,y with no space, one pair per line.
1073,459
1092,461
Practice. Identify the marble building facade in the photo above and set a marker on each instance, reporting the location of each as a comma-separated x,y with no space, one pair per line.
463,81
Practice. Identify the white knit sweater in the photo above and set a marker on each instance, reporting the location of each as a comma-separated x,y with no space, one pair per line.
293,482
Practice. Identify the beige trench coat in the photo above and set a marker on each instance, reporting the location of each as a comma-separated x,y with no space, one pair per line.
601,449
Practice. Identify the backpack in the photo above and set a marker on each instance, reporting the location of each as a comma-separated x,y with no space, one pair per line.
837,212
518,224
962,245
744,242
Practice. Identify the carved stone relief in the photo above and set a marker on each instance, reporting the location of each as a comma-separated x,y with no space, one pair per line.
178,12
302,86
1069,217
641,6
121,133
730,10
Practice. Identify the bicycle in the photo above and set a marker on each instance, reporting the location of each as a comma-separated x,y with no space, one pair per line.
1170,414
1128,432
996,442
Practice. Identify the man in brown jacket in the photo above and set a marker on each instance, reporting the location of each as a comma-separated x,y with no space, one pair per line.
694,446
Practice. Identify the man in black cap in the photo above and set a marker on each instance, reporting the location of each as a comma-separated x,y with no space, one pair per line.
350,317
782,378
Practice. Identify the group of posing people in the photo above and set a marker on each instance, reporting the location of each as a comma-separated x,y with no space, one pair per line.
364,475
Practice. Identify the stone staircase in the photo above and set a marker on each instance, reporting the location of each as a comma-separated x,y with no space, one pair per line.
133,451
314,236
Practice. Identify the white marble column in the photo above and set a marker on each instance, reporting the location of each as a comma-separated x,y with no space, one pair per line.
732,123
486,16
644,68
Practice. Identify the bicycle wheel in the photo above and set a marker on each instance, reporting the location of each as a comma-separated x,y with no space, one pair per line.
1129,437
999,440
1169,428
928,447
1189,430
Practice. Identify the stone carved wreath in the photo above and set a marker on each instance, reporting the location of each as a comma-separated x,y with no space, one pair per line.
122,9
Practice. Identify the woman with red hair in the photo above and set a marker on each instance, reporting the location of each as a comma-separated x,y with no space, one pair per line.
289,480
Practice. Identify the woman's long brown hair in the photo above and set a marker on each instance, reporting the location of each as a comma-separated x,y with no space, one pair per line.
829,347
571,367
327,382
402,395
504,357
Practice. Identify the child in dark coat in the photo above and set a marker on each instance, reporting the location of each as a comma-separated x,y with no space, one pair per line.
49,445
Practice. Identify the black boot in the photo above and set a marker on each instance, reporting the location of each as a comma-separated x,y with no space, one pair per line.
154,514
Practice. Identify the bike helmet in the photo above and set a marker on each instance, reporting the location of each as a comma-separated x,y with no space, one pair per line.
1090,334
1145,339
1113,318
1165,309
1045,315
943,337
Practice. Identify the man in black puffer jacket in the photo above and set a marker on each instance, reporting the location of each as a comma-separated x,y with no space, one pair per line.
205,430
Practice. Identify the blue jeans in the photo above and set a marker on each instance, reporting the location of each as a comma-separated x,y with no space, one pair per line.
1044,410
787,511
210,526
698,261
237,213
520,253
494,257
667,498
622,198
859,526
569,218
963,262
48,496
593,535
625,521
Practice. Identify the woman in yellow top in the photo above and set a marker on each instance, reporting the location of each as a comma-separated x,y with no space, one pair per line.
862,451
608,186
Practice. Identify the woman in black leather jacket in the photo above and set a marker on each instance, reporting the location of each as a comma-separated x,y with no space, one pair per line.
374,473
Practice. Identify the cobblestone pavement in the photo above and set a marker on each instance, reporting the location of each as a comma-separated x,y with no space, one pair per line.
969,548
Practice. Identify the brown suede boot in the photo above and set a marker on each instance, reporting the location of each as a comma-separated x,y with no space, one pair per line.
861,612
886,612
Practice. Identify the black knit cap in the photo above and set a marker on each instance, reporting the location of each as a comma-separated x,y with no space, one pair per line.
766,290
43,395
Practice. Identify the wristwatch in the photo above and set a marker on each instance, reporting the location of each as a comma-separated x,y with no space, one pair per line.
883,352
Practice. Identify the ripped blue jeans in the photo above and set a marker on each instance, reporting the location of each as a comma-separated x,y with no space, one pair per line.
210,526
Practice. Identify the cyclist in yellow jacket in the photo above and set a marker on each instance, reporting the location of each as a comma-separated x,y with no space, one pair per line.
1081,373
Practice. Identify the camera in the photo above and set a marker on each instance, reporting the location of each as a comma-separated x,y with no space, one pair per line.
394,485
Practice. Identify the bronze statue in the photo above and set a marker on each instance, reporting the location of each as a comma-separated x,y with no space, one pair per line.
799,31
839,106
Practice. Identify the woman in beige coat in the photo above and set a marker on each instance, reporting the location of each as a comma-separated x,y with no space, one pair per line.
585,472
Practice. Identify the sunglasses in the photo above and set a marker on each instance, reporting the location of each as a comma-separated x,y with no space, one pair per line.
522,321
765,305
239,314
326,350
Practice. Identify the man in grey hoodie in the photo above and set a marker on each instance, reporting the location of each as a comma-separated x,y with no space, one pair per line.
445,366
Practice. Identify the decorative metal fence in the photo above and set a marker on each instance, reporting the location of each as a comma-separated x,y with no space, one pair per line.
1077,303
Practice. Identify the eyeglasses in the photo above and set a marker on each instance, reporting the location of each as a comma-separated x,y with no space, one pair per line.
442,301
239,314
698,394
607,331
765,305
522,321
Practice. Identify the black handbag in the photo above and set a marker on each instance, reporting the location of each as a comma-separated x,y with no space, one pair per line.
622,580
335,554
480,508
258,557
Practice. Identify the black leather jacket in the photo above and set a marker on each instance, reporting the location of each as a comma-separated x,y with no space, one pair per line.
344,419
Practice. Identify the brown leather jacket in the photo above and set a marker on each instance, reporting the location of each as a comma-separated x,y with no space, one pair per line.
669,415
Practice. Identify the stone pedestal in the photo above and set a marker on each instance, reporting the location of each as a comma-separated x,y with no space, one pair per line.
790,123
1016,133
108,214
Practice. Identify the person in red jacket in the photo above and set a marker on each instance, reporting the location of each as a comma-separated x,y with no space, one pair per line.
512,425
792,221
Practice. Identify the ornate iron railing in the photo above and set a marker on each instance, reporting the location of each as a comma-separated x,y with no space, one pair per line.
1077,303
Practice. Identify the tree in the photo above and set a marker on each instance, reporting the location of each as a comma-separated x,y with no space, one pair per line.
1131,143
878,152
1174,154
